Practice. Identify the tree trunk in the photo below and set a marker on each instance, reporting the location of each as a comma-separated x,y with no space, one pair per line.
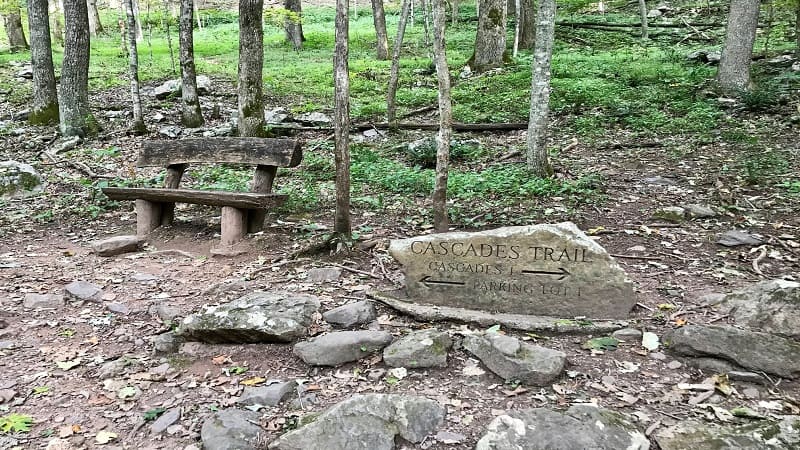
191,116
44,110
138,126
16,36
136,16
57,26
167,17
425,4
441,223
341,122
797,31
294,28
95,26
734,67
73,101
517,25
538,160
454,13
527,33
394,72
251,66
379,19
490,41
643,16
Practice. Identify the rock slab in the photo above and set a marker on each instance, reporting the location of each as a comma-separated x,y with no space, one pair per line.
270,395
352,314
512,359
549,269
376,419
340,347
766,435
169,417
749,349
83,290
419,349
116,245
18,179
230,429
580,427
770,306
49,301
275,316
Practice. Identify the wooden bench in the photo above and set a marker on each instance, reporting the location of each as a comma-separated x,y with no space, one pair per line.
242,212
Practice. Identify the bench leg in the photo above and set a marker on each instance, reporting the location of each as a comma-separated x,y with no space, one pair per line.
148,217
234,223
167,214
255,220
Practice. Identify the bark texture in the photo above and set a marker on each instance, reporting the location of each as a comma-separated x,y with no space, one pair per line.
441,222
251,66
95,26
490,40
643,17
734,67
191,116
341,121
45,99
379,20
73,101
294,28
137,126
394,72
538,159
527,33
16,36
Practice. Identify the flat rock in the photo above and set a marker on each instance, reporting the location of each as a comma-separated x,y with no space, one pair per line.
352,314
749,349
316,118
164,421
275,316
340,347
735,238
167,342
628,335
512,359
376,419
696,211
84,291
323,274
276,115
231,429
770,306
48,301
116,245
764,435
270,395
547,269
119,308
418,349
167,313
170,87
674,214
580,427
18,179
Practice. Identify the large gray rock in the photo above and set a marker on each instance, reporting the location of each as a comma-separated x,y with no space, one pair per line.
267,395
116,245
257,317
83,290
352,314
580,427
762,435
548,269
770,306
418,349
203,85
748,349
340,347
48,301
18,179
366,422
512,359
169,87
230,429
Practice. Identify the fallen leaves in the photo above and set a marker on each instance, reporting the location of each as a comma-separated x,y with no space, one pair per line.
104,437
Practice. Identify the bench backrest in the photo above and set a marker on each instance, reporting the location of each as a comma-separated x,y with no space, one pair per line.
234,150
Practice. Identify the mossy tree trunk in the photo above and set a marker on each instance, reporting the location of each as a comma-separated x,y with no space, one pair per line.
137,126
251,66
341,122
12,22
73,101
191,116
441,222
293,25
379,20
44,110
538,159
734,67
490,40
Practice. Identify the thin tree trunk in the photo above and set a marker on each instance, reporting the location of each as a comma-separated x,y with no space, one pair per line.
136,16
44,110
394,73
138,126
251,67
490,40
527,34
454,13
379,19
517,25
538,159
292,27
770,22
95,26
73,102
643,16
734,67
426,22
167,18
191,116
196,7
16,36
797,31
341,122
57,27
441,223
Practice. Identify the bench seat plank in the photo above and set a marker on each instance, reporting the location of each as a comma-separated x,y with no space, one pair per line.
242,200
233,150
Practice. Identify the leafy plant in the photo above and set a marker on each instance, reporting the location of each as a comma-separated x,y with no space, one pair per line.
15,423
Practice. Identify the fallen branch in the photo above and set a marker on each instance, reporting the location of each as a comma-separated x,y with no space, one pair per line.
360,272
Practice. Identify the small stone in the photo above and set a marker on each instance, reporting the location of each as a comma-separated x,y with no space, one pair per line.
83,290
674,214
112,369
448,437
696,211
674,365
164,421
43,301
352,314
167,313
230,429
170,131
419,349
167,342
118,308
658,356
531,364
145,278
6,395
747,377
637,249
7,345
751,393
627,335
271,395
340,347
734,238
116,245
158,117
323,274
